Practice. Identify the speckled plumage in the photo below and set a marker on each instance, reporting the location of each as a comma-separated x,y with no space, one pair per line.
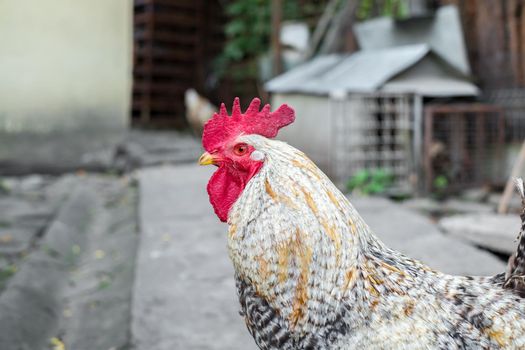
311,274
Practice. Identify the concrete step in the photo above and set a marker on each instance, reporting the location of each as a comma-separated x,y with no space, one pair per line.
75,285
418,237
96,309
491,231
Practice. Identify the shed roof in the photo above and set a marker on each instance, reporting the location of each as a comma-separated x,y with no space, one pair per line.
368,71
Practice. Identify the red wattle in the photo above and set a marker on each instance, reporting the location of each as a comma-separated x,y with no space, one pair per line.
225,187
223,190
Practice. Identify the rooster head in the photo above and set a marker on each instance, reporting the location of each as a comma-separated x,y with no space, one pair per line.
236,160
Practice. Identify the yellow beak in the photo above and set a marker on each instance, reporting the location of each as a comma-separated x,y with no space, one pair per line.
207,159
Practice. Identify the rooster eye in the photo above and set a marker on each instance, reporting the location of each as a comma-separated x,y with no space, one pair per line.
240,149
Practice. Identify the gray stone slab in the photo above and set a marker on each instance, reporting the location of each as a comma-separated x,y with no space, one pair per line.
396,225
450,206
462,206
96,313
15,240
77,283
423,205
480,194
25,210
514,204
27,153
60,189
416,236
492,231
30,304
18,209
152,148
185,296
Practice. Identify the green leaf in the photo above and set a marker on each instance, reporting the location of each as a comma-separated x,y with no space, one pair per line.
374,188
233,52
235,27
358,180
370,182
440,182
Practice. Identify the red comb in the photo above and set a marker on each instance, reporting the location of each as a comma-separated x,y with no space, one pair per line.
265,123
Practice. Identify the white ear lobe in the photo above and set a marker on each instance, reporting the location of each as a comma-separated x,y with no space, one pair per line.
257,155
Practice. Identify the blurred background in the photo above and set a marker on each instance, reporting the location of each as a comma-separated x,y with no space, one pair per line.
414,108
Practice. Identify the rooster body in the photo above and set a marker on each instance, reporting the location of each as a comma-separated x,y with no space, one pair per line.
311,274
198,110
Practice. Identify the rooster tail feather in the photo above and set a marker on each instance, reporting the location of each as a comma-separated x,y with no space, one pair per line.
515,274
521,190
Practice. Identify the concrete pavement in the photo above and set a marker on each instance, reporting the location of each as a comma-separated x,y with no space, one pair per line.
184,289
185,295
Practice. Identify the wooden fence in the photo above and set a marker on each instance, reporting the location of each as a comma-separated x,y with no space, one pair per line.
175,42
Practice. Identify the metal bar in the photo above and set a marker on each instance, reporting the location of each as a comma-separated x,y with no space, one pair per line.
480,148
429,120
418,139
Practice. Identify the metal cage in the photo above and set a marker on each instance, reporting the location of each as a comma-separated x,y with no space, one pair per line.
372,132
463,144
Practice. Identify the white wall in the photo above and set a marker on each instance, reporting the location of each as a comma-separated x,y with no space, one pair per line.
311,132
64,64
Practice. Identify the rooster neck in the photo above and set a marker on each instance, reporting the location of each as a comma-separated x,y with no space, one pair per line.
295,237
303,254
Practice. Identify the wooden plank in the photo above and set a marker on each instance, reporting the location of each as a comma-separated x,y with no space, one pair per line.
163,70
480,141
165,88
142,36
170,54
148,28
159,105
516,170
173,56
175,37
200,46
176,20
175,122
277,14
178,4
516,28
155,112
428,136
494,33
464,108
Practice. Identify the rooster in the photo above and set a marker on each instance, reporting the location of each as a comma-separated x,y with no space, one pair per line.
198,110
311,274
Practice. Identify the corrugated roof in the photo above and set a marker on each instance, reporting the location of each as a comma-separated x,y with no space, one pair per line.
296,77
432,76
363,71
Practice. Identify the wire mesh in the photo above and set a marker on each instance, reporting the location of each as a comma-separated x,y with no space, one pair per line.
513,103
373,132
463,146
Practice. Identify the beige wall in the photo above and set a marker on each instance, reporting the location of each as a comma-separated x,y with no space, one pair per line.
64,64
312,130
